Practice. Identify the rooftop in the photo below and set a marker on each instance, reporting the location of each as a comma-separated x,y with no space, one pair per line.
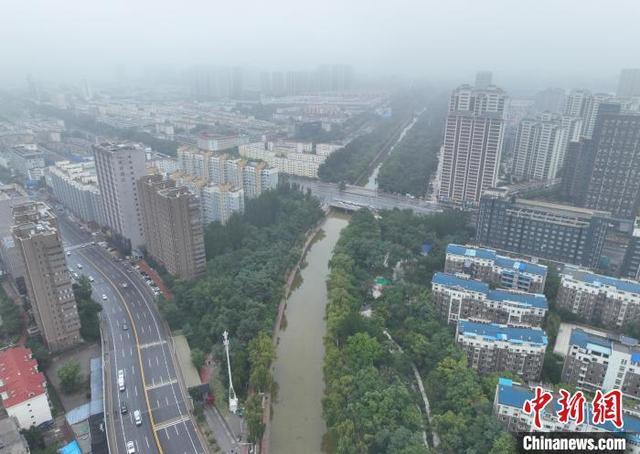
514,395
496,332
598,280
500,260
20,378
528,299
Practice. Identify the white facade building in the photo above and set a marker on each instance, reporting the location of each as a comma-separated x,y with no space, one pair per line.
221,201
75,185
23,388
119,167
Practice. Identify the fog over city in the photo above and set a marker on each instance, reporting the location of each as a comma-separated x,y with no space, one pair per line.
537,42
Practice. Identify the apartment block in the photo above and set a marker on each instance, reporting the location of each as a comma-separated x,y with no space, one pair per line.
508,407
47,278
541,144
492,347
473,137
555,232
75,185
598,299
457,298
614,181
23,389
585,105
219,142
487,265
172,226
603,362
294,158
221,201
119,167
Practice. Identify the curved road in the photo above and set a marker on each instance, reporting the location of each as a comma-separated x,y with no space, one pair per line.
136,343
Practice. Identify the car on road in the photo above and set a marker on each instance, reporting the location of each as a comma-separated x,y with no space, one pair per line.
75,276
125,327
131,449
137,417
91,279
104,297
121,385
125,285
68,253
123,408
79,265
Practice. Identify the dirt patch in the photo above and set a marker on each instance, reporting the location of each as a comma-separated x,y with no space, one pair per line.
83,355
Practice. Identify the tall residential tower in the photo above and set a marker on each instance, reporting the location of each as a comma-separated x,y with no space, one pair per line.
472,144
47,278
119,167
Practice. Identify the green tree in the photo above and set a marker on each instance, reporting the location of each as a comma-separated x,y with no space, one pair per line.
70,377
88,310
504,444
253,418
197,358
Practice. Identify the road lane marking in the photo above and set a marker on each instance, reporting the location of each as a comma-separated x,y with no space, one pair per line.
167,434
147,440
165,425
153,344
136,390
160,384
157,361
135,334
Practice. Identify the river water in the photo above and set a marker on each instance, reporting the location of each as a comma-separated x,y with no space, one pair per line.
372,182
297,423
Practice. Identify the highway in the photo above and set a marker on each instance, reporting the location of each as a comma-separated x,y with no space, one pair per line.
358,196
136,342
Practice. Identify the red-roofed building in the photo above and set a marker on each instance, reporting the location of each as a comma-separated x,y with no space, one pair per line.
23,388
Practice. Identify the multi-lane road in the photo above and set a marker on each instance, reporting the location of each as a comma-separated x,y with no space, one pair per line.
137,343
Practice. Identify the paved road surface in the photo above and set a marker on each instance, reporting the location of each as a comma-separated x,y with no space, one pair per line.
140,350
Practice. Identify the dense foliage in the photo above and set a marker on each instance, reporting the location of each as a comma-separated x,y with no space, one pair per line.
248,259
415,159
353,162
87,310
370,403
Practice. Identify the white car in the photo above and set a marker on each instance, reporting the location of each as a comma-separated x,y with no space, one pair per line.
91,279
137,417
131,449
68,253
79,266
104,297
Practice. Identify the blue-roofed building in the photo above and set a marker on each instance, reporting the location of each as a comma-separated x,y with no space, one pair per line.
598,299
486,265
491,347
508,409
456,298
603,362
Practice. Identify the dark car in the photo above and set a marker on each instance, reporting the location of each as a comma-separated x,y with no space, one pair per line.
123,408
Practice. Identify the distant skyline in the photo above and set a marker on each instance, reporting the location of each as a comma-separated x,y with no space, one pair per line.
529,42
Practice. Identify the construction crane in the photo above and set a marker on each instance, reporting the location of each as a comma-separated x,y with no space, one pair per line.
233,400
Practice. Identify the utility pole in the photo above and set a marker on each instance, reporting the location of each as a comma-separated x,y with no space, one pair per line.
233,400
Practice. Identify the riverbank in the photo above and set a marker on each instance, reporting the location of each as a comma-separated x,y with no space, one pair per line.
293,417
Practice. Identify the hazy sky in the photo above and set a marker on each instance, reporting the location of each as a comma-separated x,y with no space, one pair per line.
531,39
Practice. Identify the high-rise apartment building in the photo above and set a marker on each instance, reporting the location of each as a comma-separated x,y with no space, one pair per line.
629,83
585,105
472,144
119,167
172,226
491,347
560,233
47,278
541,144
483,79
614,181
